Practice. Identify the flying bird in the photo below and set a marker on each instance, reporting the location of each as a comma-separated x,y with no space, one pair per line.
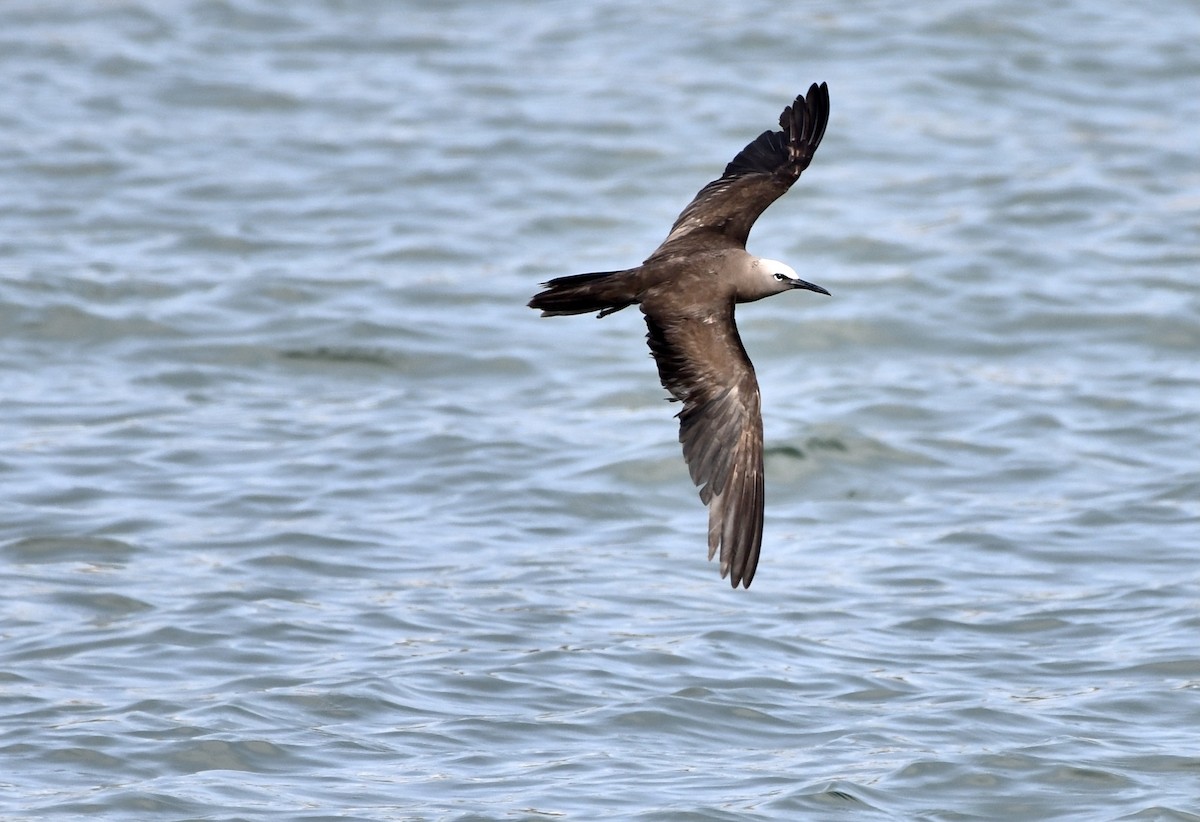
687,290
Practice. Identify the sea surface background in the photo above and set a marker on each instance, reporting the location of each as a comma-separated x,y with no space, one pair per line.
304,515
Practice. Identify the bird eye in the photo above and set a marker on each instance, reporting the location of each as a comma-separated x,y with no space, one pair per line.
781,276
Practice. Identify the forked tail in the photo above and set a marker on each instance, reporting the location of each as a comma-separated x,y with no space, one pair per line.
605,292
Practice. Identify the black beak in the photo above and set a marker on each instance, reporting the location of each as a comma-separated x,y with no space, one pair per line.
807,286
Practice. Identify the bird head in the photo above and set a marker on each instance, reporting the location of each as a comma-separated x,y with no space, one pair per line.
769,277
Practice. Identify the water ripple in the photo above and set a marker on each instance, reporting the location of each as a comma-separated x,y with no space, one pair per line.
307,516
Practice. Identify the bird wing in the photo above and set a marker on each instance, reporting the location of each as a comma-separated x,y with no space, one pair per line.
723,212
702,362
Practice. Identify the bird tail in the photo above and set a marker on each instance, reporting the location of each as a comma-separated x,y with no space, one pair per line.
604,291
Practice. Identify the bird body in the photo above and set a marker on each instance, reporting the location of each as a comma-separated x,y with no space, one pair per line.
687,290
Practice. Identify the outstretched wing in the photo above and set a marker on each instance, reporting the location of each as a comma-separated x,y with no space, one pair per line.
724,211
702,362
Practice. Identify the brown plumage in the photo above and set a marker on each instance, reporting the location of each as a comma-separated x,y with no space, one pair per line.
687,290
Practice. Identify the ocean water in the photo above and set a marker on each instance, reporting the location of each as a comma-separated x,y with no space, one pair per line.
306,516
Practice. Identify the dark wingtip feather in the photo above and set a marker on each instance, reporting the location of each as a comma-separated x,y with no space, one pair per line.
787,152
724,211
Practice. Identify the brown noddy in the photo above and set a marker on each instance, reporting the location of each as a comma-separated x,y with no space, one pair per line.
687,290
